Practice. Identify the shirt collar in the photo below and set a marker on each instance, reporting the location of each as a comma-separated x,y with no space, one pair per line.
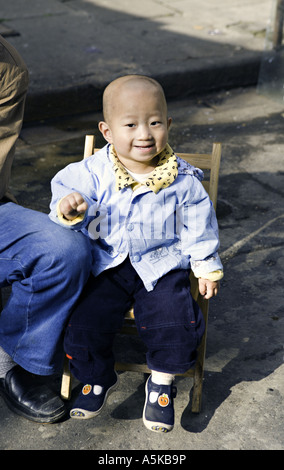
161,177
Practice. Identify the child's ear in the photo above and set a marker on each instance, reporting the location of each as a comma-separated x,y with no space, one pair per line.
169,122
106,132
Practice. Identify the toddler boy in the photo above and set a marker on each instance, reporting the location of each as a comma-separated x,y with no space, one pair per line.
150,221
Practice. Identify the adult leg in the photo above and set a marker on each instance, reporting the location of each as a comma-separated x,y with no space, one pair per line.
47,267
13,88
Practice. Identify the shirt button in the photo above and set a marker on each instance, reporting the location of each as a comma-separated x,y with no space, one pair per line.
130,227
136,258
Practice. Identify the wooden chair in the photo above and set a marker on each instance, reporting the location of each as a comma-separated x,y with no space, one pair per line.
210,162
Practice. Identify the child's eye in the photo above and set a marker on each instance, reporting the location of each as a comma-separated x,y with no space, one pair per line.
155,123
130,125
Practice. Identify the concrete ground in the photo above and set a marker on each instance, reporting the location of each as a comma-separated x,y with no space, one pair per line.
73,48
244,378
209,57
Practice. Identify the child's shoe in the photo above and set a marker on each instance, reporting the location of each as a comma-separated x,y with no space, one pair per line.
92,399
158,413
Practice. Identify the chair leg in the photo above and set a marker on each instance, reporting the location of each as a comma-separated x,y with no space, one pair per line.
66,383
199,366
198,378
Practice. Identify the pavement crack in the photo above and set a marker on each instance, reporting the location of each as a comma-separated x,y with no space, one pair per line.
235,248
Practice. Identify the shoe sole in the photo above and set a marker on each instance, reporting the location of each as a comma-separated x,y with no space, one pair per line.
80,413
154,425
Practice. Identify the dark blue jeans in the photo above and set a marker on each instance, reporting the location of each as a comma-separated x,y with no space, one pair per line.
47,267
168,320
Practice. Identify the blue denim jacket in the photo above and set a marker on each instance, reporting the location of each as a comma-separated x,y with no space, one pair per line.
175,228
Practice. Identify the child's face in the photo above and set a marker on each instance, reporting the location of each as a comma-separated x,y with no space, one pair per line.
138,127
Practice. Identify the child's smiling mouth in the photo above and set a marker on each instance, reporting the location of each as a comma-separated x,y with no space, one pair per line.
144,147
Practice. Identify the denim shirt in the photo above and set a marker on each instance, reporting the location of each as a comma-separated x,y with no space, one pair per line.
175,228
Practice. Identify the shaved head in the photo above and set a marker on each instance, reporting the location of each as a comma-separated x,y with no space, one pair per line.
125,84
135,121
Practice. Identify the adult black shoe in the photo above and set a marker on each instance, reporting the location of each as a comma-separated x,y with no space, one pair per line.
30,396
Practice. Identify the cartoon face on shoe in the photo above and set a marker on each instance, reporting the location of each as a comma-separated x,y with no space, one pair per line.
163,400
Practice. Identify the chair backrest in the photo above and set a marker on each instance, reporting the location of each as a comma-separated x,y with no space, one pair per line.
204,161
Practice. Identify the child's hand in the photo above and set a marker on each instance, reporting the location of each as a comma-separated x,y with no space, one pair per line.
73,205
208,288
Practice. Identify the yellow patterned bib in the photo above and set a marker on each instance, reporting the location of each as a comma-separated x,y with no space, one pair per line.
161,177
